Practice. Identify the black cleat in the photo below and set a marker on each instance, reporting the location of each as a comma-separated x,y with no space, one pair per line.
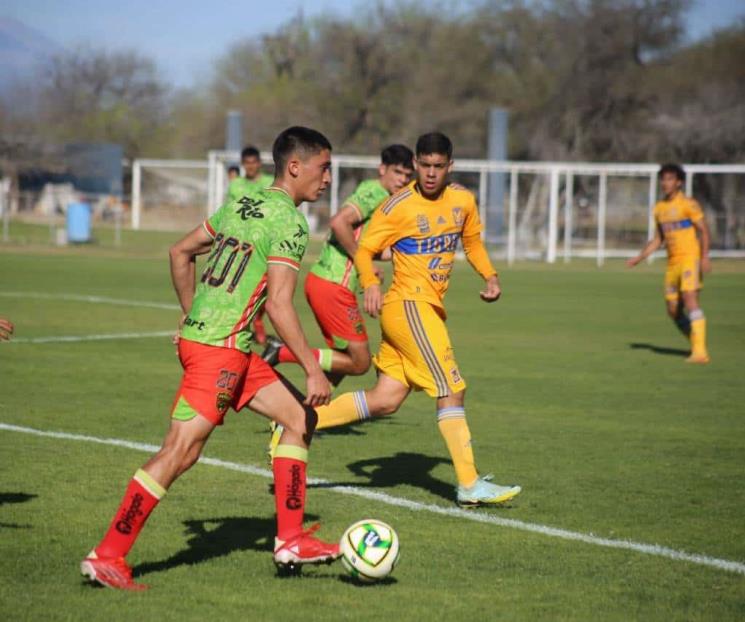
271,351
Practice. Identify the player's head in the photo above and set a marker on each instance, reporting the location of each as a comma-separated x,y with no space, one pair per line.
233,172
251,161
302,160
434,161
672,177
396,167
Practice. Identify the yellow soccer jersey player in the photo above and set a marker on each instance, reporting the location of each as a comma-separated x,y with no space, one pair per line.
423,224
682,228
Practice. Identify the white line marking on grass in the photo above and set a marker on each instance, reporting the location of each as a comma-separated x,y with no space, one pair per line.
546,530
92,299
104,337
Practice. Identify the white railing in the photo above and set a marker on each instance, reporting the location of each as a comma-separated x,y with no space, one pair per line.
559,177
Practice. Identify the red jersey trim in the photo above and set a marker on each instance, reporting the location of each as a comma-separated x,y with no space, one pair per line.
208,228
284,261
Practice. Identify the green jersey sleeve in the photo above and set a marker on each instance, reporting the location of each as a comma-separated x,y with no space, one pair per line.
289,241
366,197
212,224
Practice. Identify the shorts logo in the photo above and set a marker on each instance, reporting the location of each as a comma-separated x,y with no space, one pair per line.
422,223
455,374
458,216
223,401
687,274
441,220
359,328
353,314
294,500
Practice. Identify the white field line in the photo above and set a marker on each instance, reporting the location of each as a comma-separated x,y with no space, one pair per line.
380,497
103,337
92,299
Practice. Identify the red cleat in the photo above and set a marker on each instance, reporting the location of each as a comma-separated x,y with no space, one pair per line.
304,549
110,572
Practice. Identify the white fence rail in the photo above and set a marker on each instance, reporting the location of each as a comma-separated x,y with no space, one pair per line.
572,209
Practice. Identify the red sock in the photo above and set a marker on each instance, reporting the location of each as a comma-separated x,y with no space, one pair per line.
289,489
141,497
285,356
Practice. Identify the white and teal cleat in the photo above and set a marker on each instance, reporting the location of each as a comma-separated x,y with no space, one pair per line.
484,492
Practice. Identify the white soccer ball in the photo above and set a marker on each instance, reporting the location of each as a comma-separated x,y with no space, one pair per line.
369,550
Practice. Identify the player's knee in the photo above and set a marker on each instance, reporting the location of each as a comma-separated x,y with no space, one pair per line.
302,421
384,407
360,365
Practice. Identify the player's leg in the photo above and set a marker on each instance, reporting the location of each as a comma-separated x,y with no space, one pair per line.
280,401
180,450
690,287
338,316
675,307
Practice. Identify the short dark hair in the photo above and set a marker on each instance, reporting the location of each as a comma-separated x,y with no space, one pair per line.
297,139
434,142
397,154
675,169
233,169
250,152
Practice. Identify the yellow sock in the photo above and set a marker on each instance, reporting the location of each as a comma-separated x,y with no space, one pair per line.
347,408
698,332
454,429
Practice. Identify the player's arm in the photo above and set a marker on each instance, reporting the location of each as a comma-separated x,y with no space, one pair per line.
704,238
381,234
478,257
6,329
649,248
343,225
281,282
183,256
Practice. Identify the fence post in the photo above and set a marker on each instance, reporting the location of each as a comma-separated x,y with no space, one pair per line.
553,216
212,166
219,184
602,205
568,215
689,183
650,205
334,205
483,213
136,194
512,231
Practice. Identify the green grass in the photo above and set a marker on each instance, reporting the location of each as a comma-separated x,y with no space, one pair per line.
619,441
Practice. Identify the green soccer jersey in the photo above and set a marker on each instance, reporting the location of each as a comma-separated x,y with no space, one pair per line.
249,235
333,263
242,186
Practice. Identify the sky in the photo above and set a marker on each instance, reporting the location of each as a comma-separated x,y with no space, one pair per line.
185,37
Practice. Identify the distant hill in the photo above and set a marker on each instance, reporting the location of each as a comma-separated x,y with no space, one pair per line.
22,51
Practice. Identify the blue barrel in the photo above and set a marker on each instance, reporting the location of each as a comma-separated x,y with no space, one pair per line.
78,222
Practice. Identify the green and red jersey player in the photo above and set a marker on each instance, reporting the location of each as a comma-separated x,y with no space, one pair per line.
255,247
332,284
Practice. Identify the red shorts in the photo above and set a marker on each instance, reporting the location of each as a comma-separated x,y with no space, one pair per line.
336,311
216,379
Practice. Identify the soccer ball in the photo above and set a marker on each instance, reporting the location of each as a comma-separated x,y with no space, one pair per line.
369,550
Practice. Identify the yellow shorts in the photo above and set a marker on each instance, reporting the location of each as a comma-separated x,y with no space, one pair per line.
684,275
416,350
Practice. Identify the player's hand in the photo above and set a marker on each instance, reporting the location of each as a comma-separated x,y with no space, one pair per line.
380,273
318,391
373,300
6,329
493,291
177,337
705,265
633,261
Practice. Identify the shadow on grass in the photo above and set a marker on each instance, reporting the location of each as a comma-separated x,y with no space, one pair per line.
659,349
407,468
216,537
349,580
15,497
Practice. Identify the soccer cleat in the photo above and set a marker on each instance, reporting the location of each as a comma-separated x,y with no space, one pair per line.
304,549
111,572
700,359
483,492
277,430
271,351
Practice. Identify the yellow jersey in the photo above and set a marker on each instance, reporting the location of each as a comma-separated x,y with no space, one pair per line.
423,235
675,219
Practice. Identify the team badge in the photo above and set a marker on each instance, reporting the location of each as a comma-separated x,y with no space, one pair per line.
422,223
223,401
455,374
458,216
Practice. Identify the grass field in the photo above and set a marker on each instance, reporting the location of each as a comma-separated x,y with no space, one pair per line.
577,391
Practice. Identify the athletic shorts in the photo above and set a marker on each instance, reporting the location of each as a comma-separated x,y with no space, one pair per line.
336,311
682,275
216,379
416,350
